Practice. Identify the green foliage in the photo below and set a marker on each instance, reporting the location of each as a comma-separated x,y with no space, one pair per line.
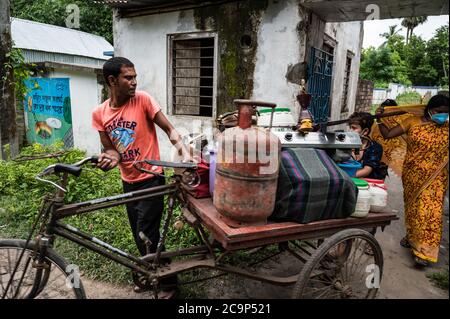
417,62
411,23
20,200
21,71
437,51
383,66
440,279
95,18
409,98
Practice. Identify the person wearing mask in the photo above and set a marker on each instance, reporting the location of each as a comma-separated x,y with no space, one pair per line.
424,177
371,152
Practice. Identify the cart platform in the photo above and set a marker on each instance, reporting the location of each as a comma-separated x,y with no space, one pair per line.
274,232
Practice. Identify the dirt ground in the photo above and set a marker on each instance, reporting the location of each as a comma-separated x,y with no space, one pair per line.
401,280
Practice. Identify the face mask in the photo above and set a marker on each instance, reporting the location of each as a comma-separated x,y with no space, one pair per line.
440,118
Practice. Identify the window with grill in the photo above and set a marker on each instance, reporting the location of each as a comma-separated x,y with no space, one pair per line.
192,70
348,66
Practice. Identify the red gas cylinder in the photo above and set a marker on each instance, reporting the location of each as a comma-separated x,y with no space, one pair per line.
246,170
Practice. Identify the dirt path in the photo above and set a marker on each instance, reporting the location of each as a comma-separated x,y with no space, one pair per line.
400,278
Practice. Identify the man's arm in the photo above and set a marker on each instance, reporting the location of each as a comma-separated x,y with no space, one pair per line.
161,120
109,158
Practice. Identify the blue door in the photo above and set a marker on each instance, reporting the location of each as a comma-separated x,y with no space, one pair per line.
320,71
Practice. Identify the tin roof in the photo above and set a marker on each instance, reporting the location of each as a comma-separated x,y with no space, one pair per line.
37,36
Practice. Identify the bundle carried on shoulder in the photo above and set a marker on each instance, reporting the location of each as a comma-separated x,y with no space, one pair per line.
312,187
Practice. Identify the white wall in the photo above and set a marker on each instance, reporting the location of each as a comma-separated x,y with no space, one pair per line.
394,89
144,41
349,36
278,47
84,96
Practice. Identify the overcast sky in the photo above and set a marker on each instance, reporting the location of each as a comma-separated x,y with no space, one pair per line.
373,28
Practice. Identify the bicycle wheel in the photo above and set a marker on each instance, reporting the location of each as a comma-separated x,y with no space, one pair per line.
341,268
57,280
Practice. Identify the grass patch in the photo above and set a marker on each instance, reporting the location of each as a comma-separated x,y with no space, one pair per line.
21,197
440,279
409,98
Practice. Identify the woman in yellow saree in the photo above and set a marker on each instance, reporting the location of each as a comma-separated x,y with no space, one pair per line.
424,176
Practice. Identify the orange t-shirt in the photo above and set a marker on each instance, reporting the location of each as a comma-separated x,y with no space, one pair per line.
132,132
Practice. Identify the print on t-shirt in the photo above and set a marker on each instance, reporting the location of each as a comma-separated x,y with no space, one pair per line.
122,137
122,134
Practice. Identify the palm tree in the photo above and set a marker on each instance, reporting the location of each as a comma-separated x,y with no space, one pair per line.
392,32
411,23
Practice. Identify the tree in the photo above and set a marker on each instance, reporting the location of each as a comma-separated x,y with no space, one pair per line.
8,134
95,18
420,70
393,32
411,23
382,66
437,53
419,62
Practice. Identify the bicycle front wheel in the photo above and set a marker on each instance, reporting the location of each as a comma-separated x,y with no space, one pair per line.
58,280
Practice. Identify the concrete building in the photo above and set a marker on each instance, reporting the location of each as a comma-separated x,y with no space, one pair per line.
196,59
64,56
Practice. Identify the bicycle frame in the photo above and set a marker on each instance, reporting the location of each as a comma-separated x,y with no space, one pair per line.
54,210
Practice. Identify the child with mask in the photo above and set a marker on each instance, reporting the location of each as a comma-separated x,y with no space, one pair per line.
371,152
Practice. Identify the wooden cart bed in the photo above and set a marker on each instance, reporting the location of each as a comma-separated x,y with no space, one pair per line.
274,232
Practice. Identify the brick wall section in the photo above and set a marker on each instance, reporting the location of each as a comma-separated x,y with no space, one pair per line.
364,96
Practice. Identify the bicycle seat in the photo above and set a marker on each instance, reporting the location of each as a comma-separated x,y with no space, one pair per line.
171,164
66,168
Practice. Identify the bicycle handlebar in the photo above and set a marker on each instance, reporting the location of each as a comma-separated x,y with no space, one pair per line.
73,169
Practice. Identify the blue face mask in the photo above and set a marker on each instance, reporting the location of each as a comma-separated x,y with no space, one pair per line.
440,118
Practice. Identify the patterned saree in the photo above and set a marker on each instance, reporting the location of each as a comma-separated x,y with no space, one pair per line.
424,176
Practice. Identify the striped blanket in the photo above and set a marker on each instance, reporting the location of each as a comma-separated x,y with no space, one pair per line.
312,187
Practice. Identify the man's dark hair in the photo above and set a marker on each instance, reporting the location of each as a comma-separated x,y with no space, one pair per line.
363,119
434,102
389,102
113,66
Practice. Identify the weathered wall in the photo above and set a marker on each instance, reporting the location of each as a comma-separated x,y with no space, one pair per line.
281,49
270,68
348,36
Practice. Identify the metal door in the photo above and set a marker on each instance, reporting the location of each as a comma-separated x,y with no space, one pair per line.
320,71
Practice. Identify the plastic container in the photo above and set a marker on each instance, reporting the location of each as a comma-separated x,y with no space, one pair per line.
281,117
378,191
363,201
350,167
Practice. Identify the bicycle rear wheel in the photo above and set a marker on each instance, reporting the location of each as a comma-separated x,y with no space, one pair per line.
58,279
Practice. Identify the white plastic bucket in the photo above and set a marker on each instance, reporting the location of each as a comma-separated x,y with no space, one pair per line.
281,117
363,200
379,195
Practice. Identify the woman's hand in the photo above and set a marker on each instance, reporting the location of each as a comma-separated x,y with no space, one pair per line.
379,110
